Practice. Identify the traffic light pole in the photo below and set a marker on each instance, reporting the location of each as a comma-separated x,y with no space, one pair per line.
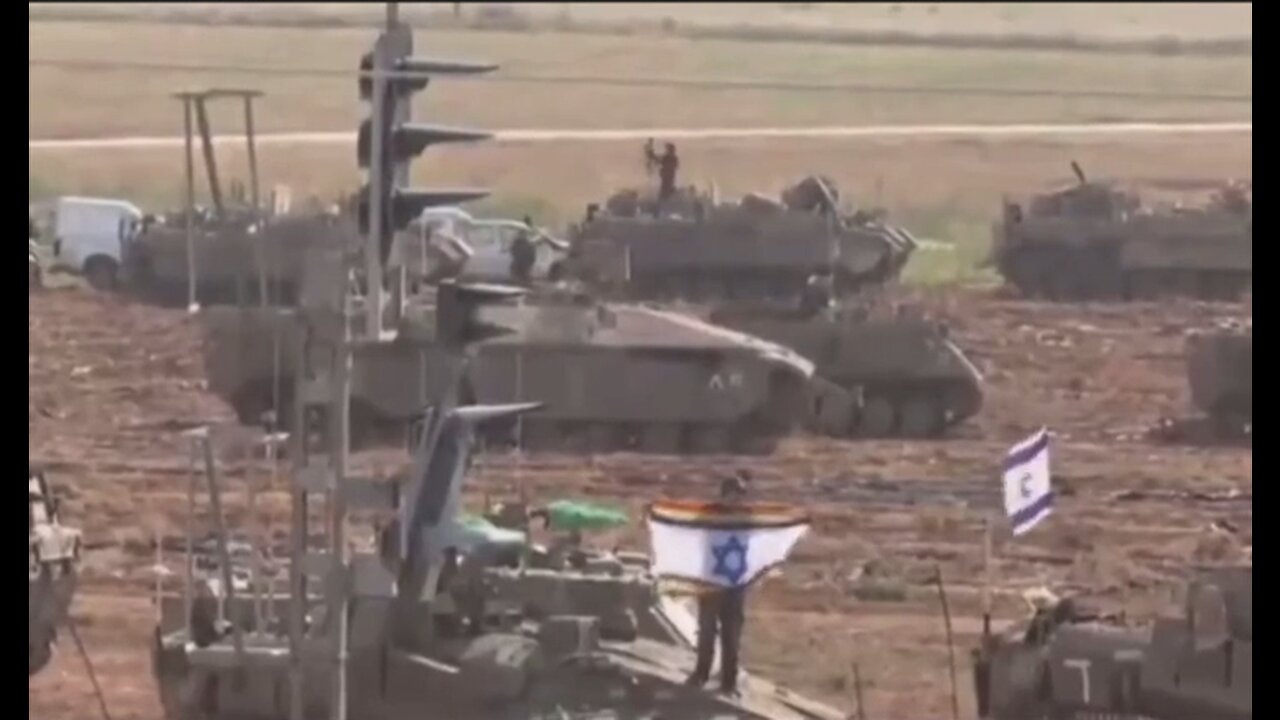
378,195
385,144
397,278
339,595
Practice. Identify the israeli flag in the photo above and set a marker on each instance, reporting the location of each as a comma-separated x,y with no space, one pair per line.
1028,497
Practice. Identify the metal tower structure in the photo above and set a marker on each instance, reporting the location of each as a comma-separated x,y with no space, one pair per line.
341,320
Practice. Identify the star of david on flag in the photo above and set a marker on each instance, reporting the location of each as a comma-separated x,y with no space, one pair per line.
729,559
701,546
1028,495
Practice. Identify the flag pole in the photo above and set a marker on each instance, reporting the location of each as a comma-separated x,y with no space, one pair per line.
987,526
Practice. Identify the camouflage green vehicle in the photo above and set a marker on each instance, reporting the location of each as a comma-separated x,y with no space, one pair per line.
1198,666
1220,374
487,639
694,246
237,255
876,375
1096,241
243,248
53,560
690,387
521,668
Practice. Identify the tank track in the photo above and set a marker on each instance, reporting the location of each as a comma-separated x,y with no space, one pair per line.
914,411
1096,275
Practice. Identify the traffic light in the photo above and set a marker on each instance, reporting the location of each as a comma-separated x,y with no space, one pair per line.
388,141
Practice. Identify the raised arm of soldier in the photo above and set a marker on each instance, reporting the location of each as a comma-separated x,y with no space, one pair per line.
650,157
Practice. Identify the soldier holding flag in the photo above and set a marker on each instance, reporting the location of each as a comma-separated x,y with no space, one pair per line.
716,550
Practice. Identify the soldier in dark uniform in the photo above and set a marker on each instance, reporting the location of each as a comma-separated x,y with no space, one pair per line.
668,164
817,294
722,612
523,255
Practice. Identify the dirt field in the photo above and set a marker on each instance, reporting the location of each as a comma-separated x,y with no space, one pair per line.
65,102
112,383
939,21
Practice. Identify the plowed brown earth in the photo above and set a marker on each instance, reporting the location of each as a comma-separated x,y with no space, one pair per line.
113,383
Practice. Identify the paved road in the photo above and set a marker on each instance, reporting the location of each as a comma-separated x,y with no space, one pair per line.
543,135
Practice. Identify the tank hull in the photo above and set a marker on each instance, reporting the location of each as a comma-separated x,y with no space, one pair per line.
587,656
698,248
874,377
1096,243
649,381
1198,666
233,259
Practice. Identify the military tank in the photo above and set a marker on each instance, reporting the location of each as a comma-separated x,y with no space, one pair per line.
614,377
556,644
876,375
1220,374
483,640
1095,241
1062,664
53,559
697,247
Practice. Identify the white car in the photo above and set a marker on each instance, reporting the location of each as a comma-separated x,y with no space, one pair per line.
490,243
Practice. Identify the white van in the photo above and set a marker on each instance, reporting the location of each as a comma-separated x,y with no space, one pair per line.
89,234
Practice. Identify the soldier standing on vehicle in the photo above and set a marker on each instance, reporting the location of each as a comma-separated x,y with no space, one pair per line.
668,164
722,612
817,294
523,254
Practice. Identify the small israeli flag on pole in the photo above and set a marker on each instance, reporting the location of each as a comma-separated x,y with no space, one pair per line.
1028,496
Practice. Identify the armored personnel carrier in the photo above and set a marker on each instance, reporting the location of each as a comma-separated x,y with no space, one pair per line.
696,247
1220,374
241,248
897,375
448,635
236,254
53,559
613,377
1195,667
1096,241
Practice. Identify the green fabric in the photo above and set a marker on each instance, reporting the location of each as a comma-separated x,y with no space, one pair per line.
478,530
573,515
